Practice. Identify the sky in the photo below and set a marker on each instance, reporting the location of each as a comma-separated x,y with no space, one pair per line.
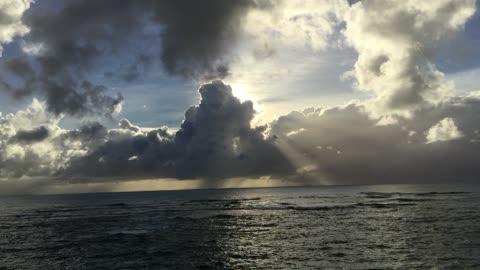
136,95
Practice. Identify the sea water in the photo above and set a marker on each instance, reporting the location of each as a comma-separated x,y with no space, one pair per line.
341,227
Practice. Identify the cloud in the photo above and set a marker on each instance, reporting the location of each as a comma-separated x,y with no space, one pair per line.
69,43
33,145
409,132
445,130
215,141
73,41
25,143
344,145
395,41
297,24
125,124
35,135
191,39
20,68
11,25
199,34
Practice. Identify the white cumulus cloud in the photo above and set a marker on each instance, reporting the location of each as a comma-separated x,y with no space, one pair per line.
297,24
395,41
445,130
11,25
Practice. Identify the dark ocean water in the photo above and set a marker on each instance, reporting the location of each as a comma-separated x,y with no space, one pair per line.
349,227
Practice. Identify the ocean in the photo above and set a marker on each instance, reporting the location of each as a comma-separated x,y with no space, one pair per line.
335,227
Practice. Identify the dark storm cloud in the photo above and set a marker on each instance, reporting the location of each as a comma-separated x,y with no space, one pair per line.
215,141
198,34
30,136
91,135
21,69
188,38
195,35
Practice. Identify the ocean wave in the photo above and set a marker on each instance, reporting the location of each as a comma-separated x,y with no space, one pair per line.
224,200
413,200
384,205
222,216
118,205
386,195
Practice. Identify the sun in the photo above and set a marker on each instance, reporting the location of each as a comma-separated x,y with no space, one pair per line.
240,91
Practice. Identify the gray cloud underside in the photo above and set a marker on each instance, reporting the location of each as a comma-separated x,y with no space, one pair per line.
341,145
35,135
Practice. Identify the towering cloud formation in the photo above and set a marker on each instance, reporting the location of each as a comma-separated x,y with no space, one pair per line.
215,141
395,41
